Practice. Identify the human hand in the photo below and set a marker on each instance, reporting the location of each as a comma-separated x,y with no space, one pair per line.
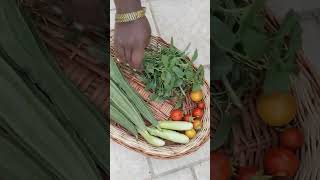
130,40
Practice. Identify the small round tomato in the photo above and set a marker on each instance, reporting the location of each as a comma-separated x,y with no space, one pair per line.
277,109
191,133
247,173
280,162
201,105
197,124
292,138
197,112
176,115
196,96
188,118
220,168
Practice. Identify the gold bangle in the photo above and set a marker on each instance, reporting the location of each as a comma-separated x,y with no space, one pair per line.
128,17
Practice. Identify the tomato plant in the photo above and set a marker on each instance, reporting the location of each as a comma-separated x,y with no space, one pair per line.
280,162
292,138
176,115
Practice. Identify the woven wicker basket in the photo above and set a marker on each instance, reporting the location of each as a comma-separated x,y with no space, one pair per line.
92,79
161,111
252,137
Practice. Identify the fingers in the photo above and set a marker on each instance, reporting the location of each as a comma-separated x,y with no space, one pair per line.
137,58
120,54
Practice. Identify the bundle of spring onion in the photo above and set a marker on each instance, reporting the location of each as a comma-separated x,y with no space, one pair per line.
48,130
128,109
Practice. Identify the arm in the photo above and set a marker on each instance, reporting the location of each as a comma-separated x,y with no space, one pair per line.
131,38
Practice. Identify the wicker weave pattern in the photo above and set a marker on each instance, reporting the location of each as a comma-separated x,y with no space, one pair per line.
91,78
252,137
161,112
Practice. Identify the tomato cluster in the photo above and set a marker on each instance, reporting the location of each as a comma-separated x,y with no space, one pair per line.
195,117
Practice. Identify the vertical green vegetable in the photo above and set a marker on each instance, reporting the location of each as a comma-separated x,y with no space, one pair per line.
116,75
27,53
119,118
38,130
118,98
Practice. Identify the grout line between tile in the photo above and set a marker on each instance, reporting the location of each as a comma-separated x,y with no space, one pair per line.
181,168
154,19
150,167
193,172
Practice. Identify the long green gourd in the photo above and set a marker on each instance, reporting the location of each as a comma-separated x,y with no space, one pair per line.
15,164
38,130
116,75
119,118
124,105
20,43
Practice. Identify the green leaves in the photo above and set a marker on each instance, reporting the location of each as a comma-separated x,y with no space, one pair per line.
222,133
276,81
169,74
254,43
222,64
222,34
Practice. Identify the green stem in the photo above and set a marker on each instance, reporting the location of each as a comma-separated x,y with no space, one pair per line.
182,91
234,98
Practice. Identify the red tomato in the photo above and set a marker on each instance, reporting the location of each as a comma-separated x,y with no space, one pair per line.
247,172
292,138
197,112
188,118
280,162
220,168
201,105
176,115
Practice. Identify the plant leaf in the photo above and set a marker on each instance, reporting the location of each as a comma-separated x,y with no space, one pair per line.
222,133
276,80
221,63
195,55
254,43
222,34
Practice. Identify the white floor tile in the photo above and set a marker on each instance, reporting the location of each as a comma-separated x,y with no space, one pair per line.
161,166
126,164
184,174
202,170
187,21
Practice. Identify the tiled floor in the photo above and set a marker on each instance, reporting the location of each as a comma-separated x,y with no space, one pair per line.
188,21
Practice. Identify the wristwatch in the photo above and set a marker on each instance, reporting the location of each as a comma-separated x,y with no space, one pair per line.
132,16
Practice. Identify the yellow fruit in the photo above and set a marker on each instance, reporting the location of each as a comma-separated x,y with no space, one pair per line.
277,109
197,124
196,96
191,133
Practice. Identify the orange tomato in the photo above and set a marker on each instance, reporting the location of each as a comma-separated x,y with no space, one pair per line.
197,124
277,109
196,96
191,133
